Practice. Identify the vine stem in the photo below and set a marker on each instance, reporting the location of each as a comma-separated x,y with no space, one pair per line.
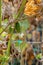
16,20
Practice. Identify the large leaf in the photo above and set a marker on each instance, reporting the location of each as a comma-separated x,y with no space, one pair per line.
24,25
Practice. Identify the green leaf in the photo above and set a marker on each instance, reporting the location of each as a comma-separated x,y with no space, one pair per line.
4,34
17,27
24,25
10,29
6,20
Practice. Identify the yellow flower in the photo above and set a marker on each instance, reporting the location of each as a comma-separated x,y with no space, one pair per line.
31,8
38,1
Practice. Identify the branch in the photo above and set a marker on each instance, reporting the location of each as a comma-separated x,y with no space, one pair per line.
16,20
